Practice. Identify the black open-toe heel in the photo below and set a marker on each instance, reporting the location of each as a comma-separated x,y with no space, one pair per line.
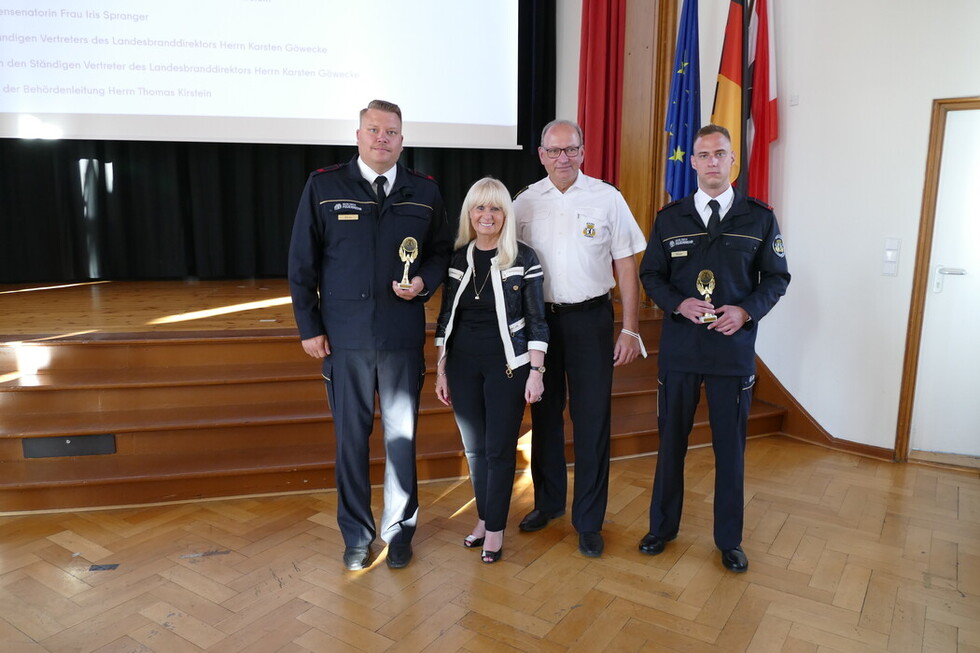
472,541
490,557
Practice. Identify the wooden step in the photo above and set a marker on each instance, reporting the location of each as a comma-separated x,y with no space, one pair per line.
155,475
116,352
127,351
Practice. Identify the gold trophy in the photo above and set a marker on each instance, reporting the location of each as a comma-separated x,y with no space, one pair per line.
408,252
706,285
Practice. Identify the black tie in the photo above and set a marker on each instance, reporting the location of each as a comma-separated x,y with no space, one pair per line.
714,222
379,188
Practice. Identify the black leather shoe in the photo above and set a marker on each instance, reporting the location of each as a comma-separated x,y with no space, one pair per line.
356,557
654,544
591,544
735,560
538,519
399,555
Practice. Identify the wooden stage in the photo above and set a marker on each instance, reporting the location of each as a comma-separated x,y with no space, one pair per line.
101,309
145,392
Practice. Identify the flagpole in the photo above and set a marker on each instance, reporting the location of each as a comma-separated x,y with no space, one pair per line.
743,156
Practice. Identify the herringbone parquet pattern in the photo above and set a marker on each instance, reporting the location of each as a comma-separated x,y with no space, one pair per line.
846,554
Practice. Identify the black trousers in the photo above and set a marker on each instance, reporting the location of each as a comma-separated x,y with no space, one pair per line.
353,377
489,407
729,398
580,367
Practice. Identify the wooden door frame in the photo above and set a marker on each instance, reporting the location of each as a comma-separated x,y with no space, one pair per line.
920,282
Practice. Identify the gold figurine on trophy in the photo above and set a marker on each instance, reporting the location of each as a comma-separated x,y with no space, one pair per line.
706,286
408,252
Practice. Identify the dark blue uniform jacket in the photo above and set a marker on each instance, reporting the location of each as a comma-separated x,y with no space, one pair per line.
343,257
749,264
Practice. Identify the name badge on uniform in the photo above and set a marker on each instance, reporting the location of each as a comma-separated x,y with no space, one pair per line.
347,216
678,254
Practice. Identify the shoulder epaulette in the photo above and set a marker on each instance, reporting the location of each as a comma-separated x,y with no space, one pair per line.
669,204
610,183
760,203
518,193
421,174
336,166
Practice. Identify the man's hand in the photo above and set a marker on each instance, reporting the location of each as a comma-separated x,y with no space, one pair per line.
694,309
626,351
730,319
409,294
317,346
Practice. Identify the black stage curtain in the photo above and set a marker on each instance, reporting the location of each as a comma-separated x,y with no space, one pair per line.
82,210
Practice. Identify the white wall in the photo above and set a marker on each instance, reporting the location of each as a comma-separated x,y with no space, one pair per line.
848,172
849,168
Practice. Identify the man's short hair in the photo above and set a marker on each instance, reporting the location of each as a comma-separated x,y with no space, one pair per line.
713,129
555,123
382,105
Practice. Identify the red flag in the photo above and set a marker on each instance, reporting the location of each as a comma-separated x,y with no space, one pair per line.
763,127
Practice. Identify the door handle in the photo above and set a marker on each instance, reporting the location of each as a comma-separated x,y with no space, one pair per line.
942,272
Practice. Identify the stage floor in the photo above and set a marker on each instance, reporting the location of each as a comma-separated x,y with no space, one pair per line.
111,309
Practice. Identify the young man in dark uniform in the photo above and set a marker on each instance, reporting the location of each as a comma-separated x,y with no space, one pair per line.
716,265
346,260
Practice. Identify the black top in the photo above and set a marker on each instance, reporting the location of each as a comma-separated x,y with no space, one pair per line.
476,330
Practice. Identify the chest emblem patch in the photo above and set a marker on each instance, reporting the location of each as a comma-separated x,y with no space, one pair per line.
347,206
589,231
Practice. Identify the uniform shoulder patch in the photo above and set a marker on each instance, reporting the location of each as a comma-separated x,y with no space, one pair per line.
668,205
778,247
518,193
336,166
756,200
421,174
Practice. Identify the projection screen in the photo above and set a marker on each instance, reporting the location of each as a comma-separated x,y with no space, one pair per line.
258,71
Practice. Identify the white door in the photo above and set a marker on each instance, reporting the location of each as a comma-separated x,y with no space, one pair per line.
946,413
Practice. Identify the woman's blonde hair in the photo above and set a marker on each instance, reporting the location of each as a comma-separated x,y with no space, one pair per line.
490,192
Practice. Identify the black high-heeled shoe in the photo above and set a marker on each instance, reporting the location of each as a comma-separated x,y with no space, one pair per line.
472,542
493,556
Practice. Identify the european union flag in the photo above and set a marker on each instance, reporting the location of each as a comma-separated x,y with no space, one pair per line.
684,112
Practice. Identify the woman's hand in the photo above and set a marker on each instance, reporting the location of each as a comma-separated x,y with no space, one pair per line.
534,387
442,389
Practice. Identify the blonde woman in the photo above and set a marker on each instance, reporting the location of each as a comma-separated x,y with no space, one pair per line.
492,338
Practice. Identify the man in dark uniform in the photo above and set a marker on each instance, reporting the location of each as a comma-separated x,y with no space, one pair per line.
715,264
346,259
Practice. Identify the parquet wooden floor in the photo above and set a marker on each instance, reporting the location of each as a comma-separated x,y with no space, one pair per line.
846,554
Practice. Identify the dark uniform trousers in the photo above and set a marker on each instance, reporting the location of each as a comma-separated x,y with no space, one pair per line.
580,350
352,377
729,398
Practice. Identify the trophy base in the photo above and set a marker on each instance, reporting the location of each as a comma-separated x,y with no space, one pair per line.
404,286
708,317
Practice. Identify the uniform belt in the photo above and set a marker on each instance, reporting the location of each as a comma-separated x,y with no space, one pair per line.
580,306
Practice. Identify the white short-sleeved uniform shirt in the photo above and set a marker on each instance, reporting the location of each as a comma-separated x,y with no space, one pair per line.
577,235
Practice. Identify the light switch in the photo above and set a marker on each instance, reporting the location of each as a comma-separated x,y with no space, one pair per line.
889,263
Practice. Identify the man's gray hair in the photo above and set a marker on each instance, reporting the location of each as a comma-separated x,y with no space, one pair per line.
570,123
